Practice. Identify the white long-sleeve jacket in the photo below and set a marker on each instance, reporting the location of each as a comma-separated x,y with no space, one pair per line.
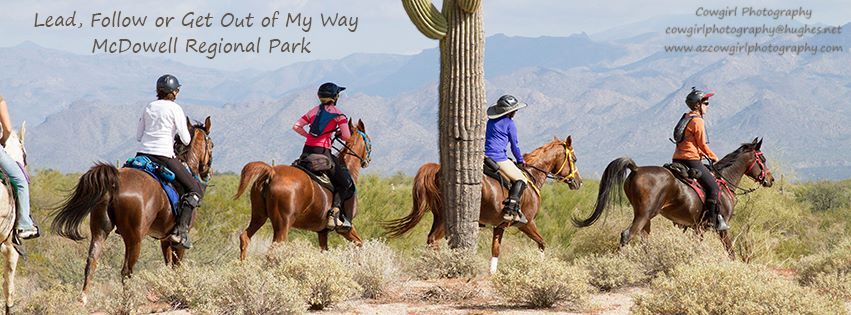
160,122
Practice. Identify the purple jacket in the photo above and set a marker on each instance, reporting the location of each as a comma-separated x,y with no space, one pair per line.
500,132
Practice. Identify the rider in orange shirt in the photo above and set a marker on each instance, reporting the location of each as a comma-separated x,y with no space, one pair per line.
692,147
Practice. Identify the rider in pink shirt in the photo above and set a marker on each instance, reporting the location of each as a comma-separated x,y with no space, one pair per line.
326,120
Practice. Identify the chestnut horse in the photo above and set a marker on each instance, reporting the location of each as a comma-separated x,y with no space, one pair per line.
131,202
8,215
556,157
288,197
653,190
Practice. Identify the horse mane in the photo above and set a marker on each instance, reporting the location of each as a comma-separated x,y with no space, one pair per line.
731,158
539,152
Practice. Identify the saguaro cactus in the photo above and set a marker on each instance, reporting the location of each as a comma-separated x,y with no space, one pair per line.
458,27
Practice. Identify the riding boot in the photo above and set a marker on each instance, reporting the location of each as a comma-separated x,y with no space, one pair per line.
511,210
346,214
720,223
188,203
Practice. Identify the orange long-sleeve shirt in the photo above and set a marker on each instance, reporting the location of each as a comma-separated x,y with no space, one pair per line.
694,145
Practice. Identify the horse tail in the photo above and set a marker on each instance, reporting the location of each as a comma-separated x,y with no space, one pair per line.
613,176
96,189
426,194
258,173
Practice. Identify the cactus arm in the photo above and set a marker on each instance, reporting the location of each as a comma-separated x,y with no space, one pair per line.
469,6
426,18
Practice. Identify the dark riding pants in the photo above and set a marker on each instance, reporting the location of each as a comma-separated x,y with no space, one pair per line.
182,176
707,180
339,175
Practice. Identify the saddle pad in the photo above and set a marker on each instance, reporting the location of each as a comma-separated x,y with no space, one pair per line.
322,179
170,192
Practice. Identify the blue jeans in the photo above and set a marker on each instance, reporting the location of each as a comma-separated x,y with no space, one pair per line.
22,189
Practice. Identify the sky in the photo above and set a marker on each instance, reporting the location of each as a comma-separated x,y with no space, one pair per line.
383,26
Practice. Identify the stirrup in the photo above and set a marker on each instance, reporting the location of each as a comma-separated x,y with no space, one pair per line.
721,224
333,219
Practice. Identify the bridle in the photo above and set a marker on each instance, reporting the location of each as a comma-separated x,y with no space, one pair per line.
208,152
346,149
568,161
764,171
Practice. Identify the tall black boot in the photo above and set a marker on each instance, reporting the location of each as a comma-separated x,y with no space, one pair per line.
715,216
346,215
334,213
188,203
511,210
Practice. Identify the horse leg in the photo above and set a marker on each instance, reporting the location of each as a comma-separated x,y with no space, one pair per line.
640,221
179,252
323,239
531,230
728,243
168,252
497,241
353,236
132,248
9,274
99,234
436,233
257,221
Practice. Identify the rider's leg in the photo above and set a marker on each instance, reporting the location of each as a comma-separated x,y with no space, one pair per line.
512,210
345,186
190,200
24,223
710,187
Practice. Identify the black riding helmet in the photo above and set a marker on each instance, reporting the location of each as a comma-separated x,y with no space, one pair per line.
329,90
167,84
696,97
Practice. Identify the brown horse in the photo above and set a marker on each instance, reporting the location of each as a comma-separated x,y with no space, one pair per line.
289,198
556,157
653,190
131,202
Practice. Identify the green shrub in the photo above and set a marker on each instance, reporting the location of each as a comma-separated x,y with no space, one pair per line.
836,262
373,266
730,288
667,248
535,279
611,271
824,196
324,279
446,263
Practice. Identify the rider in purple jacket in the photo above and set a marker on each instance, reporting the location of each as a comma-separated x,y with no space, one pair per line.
500,133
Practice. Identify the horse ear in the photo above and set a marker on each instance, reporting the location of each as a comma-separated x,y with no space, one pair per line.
207,125
759,145
23,132
755,140
360,125
569,141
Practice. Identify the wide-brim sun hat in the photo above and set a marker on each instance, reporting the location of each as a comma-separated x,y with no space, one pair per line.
504,106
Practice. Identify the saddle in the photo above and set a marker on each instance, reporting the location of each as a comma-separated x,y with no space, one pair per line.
689,177
316,166
161,174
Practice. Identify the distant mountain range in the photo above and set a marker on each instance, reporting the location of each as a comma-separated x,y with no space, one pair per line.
617,95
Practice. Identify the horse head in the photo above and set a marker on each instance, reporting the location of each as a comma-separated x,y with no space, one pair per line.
564,164
359,145
198,155
757,168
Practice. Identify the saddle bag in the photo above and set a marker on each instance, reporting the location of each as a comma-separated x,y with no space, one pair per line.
317,162
683,171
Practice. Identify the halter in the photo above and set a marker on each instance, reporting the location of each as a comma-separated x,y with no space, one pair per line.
758,160
367,143
568,152
758,156
208,144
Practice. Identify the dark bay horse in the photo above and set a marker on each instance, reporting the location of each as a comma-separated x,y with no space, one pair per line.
288,197
653,190
556,157
131,202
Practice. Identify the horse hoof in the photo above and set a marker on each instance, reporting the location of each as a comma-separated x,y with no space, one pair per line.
9,309
84,299
494,262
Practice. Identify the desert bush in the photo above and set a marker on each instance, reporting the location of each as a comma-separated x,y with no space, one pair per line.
324,278
730,288
837,286
247,288
611,271
59,299
373,266
452,292
834,262
184,287
824,196
445,263
599,239
667,248
535,279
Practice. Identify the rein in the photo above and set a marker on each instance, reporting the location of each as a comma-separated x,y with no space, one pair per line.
567,162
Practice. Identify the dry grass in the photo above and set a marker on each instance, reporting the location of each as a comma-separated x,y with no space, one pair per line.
535,279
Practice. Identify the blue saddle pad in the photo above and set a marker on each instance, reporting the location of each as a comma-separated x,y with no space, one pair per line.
142,164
